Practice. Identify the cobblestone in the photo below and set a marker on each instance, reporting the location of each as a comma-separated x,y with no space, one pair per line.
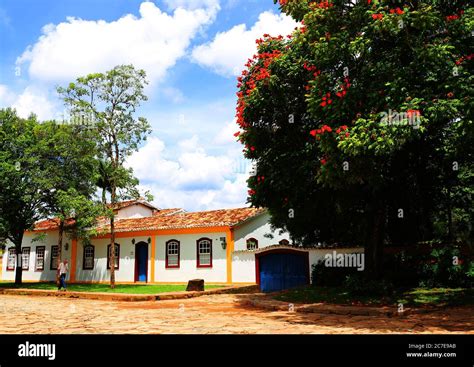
214,314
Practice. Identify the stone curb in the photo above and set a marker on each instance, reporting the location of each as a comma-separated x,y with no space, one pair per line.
321,308
125,297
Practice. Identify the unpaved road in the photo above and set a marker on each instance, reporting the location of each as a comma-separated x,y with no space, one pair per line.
216,314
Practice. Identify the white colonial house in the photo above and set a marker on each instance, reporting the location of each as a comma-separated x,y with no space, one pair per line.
231,246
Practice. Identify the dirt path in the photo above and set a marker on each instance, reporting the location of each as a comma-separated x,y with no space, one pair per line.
207,315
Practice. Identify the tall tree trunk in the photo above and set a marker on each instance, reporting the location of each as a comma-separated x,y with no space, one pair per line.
19,268
60,248
112,240
450,215
374,249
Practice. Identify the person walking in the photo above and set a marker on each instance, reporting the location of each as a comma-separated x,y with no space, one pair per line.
63,269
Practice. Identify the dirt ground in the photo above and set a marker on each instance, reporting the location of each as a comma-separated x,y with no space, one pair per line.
216,314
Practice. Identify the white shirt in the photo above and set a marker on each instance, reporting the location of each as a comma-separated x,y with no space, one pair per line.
63,268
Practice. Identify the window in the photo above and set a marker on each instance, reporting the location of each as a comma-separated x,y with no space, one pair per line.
204,253
88,258
284,242
11,260
252,244
54,257
117,256
172,254
25,258
39,265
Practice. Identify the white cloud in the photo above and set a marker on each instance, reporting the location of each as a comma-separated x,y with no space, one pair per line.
153,41
32,100
7,97
193,179
193,4
229,51
226,134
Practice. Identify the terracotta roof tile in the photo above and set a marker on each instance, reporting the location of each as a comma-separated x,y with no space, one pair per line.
171,219
211,218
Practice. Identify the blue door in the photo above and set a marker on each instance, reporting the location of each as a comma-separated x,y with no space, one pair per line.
280,271
141,261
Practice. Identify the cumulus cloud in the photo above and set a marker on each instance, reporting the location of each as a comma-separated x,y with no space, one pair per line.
229,51
193,4
192,179
153,41
34,100
31,100
7,97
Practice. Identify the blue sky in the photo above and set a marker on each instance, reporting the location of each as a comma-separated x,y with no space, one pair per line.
192,51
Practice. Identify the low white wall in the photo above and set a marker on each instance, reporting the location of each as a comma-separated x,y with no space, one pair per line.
243,262
243,267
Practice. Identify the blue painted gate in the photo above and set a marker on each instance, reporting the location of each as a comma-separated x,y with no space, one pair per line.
141,262
278,271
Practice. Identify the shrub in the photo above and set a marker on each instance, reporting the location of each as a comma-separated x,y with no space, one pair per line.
322,275
359,285
446,267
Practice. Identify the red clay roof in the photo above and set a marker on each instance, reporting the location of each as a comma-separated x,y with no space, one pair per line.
172,219
48,224
127,203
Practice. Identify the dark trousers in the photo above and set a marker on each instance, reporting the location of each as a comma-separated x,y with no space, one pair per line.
62,281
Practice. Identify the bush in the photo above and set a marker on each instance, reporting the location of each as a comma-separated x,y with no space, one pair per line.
359,285
322,275
446,267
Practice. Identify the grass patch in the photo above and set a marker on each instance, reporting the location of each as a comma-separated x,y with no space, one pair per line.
119,288
416,297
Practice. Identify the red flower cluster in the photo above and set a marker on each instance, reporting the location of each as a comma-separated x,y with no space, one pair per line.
450,18
461,59
251,192
240,110
411,113
377,16
344,88
341,128
237,134
323,161
326,100
260,179
396,11
283,2
322,5
321,131
267,37
309,67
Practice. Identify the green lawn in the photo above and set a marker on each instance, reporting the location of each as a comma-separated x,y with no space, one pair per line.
411,297
119,288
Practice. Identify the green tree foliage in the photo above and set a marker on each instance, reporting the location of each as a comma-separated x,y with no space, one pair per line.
360,123
22,180
69,151
112,99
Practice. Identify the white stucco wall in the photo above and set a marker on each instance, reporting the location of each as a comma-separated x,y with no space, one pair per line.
134,211
243,267
257,228
188,263
51,239
126,270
